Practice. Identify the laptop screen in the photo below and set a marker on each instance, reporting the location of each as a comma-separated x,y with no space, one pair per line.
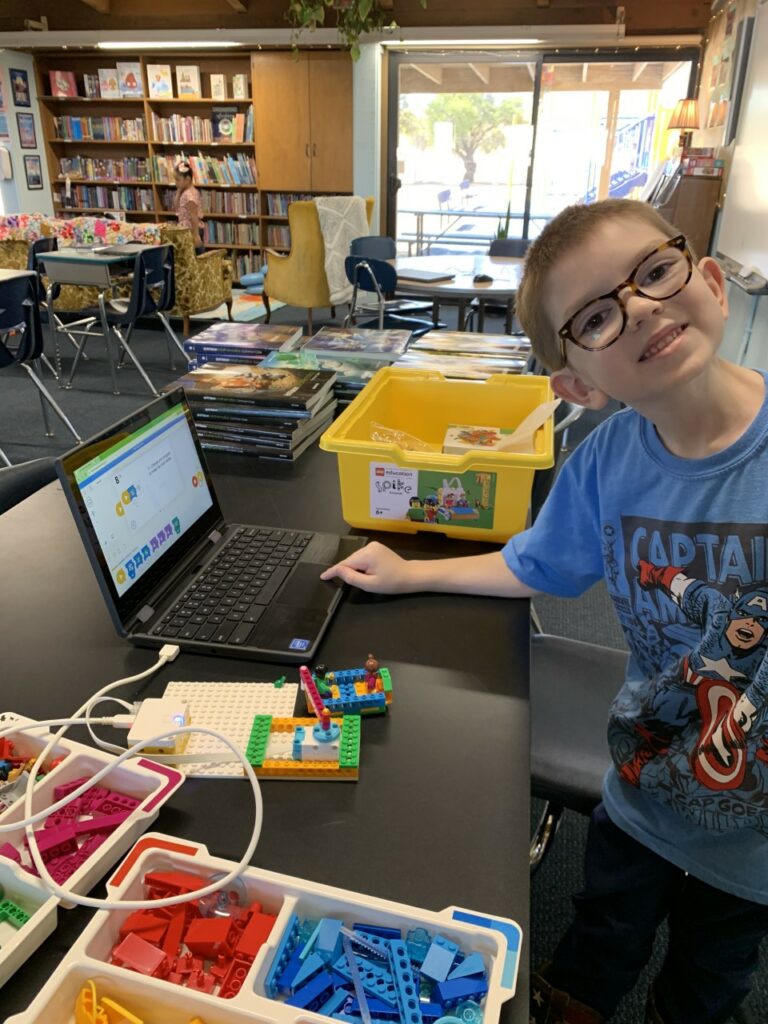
142,496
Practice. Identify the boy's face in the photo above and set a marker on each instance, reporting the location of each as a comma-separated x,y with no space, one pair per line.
685,330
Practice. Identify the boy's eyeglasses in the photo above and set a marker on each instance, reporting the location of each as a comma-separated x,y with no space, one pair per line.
659,275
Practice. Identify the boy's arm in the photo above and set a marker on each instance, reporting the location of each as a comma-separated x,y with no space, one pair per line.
379,570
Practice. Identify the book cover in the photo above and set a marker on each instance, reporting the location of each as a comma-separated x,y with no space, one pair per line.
63,83
245,336
301,389
241,447
129,79
460,367
470,343
223,119
108,84
218,87
240,87
364,343
91,84
188,82
160,81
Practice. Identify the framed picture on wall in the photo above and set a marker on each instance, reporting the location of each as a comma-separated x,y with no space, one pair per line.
33,171
26,126
20,87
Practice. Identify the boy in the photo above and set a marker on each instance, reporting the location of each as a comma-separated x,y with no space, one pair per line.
667,501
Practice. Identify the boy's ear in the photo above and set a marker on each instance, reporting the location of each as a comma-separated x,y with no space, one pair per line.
713,274
569,386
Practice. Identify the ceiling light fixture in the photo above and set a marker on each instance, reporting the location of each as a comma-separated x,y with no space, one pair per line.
172,44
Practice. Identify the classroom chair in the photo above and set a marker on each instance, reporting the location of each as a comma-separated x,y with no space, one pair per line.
152,294
515,247
21,343
19,481
383,247
380,278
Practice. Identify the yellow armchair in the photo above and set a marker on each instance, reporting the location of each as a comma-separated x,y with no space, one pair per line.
203,281
298,277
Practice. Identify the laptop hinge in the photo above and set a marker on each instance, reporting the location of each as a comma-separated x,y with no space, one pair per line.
214,536
145,614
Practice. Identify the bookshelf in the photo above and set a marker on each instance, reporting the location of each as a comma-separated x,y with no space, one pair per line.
119,153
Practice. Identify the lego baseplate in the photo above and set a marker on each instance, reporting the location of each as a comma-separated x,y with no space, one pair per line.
229,708
295,748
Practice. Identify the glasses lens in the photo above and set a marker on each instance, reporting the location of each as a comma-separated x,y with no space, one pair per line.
662,274
598,324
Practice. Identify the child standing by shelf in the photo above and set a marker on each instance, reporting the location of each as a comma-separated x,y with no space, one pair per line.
189,208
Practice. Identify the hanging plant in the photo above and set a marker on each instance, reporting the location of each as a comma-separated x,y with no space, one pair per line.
354,18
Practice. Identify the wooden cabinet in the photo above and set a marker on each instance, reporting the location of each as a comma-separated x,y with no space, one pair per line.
691,208
303,119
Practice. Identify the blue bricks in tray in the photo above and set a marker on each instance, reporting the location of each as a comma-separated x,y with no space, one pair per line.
412,978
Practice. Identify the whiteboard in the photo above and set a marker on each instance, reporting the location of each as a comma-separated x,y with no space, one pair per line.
743,230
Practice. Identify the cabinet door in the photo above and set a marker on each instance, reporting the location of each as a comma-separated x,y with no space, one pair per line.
281,121
330,111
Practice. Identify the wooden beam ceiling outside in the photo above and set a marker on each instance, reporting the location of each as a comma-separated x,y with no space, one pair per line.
432,72
483,72
517,78
239,6
100,6
639,69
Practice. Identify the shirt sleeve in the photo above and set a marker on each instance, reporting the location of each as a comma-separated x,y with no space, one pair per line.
561,554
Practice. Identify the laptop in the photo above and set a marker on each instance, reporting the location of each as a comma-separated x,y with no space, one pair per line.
427,276
171,570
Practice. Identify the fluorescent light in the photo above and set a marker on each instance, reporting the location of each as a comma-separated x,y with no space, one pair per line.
173,44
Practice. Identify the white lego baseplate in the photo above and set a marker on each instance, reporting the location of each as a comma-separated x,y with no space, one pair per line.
229,708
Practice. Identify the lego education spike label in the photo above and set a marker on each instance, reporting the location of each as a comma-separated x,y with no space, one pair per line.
432,497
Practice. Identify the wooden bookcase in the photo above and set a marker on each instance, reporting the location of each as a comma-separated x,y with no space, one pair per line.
301,112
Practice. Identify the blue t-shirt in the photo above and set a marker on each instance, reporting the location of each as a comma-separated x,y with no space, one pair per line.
683,547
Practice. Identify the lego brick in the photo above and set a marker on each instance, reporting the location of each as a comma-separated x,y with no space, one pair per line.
349,754
233,981
284,982
308,969
229,708
451,992
259,738
431,1011
141,956
328,942
172,941
282,954
208,936
377,1009
370,930
175,882
418,941
406,985
314,993
473,964
13,914
376,979
334,1003
439,959
256,933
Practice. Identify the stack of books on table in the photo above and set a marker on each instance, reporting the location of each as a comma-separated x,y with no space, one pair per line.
246,344
354,354
272,413
467,356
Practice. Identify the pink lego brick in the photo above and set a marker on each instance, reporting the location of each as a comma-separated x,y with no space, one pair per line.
114,803
108,823
67,787
6,850
55,842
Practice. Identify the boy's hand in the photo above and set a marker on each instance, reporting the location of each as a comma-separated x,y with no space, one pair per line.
374,568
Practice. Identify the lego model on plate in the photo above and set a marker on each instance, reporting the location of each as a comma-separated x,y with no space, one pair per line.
361,342
353,691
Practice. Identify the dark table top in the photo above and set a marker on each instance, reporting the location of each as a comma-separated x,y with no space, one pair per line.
440,815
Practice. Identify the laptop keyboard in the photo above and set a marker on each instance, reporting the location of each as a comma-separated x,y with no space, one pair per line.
230,595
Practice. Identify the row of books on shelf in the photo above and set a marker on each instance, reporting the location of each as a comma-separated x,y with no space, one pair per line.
105,197
125,82
127,168
232,169
99,129
244,263
238,204
226,124
227,232
279,236
277,202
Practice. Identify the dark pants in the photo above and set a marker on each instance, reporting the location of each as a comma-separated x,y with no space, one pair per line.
713,937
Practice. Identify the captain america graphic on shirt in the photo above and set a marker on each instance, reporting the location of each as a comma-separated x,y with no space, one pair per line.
694,732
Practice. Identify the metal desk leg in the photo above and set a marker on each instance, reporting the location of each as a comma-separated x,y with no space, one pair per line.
462,318
53,328
43,405
108,342
481,315
47,397
509,316
125,342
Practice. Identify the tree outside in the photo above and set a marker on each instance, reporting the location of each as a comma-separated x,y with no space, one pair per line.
476,119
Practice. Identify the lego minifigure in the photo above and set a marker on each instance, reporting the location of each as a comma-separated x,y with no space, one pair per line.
371,672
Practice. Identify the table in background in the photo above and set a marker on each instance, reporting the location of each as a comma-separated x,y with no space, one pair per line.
506,272
12,275
426,239
440,815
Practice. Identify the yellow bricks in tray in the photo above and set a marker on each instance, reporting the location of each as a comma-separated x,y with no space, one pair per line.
480,495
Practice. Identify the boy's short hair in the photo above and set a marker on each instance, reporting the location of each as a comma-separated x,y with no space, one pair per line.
571,226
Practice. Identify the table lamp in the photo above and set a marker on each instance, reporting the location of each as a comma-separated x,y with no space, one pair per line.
685,116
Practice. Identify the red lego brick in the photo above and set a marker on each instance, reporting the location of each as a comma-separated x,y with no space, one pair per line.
145,924
174,881
201,981
174,932
255,935
141,956
208,936
234,979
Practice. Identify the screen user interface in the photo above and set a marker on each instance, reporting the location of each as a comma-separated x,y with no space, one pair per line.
143,493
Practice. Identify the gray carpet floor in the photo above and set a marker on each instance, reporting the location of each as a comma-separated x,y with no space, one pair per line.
91,406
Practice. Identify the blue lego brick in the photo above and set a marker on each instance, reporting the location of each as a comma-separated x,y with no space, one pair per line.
298,738
418,941
431,1011
328,942
312,995
439,959
285,947
346,1017
310,944
308,969
377,1009
284,981
380,930
406,984
452,992
473,964
374,945
335,1003
376,980
511,933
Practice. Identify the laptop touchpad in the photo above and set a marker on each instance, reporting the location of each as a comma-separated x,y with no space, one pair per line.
305,589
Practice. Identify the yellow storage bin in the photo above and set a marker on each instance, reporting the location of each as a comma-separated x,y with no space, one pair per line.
477,495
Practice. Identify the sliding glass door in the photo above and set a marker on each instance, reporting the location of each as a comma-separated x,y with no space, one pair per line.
496,143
